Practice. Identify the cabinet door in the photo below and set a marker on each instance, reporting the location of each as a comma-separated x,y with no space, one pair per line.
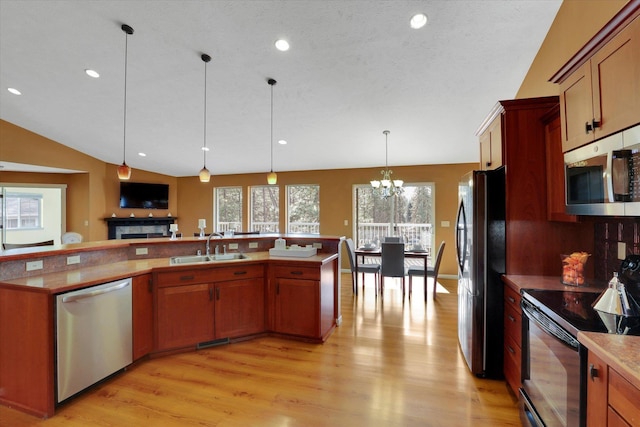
597,379
239,308
556,200
185,315
296,307
142,300
576,108
615,71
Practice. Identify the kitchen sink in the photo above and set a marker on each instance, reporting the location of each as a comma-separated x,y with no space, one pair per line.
195,259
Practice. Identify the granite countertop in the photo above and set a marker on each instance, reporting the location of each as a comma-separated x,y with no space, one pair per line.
621,352
64,281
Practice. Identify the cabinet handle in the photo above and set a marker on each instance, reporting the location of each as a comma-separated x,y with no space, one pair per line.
511,350
588,127
594,124
239,273
150,285
593,372
512,300
297,273
186,277
217,294
277,288
210,294
511,318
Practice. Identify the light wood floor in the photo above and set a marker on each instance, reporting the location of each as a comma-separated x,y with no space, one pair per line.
389,364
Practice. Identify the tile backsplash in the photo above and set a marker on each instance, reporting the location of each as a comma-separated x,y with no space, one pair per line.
607,233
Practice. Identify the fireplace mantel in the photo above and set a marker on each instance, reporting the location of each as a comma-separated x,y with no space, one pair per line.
113,223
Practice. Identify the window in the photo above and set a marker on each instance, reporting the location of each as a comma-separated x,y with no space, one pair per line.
303,209
264,209
23,211
409,215
228,209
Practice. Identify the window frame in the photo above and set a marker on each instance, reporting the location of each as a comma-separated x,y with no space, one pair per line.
217,206
288,208
251,223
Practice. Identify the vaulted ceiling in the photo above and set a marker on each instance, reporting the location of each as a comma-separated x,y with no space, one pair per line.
354,69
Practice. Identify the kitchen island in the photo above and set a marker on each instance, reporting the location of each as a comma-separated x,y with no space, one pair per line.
219,301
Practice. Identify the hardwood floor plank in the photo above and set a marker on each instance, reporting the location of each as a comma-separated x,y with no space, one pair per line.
391,363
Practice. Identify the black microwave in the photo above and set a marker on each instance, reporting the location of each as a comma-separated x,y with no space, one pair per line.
603,177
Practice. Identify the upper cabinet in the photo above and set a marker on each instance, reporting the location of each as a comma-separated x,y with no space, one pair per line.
490,136
600,85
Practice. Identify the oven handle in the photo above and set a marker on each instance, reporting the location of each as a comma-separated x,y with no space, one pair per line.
545,323
529,412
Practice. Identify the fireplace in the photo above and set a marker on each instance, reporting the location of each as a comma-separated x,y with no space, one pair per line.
132,227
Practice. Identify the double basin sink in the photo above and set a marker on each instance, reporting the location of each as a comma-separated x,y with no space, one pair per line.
196,259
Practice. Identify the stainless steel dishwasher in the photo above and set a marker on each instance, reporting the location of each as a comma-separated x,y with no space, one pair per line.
94,335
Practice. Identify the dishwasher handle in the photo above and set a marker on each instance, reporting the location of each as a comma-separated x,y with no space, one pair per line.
89,294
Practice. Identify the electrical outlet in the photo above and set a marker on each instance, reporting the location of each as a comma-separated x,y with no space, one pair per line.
34,265
317,245
253,245
75,259
622,250
233,246
346,222
142,251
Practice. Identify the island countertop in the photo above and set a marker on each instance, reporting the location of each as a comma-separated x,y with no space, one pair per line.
64,281
621,352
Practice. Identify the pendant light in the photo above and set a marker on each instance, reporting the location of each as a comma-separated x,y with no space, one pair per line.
124,170
386,186
204,174
272,177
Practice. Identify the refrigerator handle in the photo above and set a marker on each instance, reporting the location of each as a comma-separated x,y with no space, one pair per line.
461,231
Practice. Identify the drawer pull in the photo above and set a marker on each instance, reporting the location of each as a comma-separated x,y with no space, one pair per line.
511,350
593,372
297,273
239,273
186,277
217,294
512,300
511,318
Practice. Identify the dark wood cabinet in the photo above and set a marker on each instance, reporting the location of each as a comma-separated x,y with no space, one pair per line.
512,338
142,301
240,304
491,141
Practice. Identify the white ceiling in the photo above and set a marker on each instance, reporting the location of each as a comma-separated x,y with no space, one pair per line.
355,68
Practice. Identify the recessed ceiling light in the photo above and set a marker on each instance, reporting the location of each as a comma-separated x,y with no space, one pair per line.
142,155
282,45
14,91
282,142
205,148
92,73
418,21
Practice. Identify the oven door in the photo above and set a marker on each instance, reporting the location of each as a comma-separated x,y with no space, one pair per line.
551,372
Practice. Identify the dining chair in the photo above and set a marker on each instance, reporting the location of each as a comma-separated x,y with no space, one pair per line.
392,263
26,245
391,239
363,268
418,270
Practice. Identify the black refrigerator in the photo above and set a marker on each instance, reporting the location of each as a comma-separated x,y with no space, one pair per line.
480,250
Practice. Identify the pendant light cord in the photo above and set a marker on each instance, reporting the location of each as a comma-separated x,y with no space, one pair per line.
205,58
124,130
271,140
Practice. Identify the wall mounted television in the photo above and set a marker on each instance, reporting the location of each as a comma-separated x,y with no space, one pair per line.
138,195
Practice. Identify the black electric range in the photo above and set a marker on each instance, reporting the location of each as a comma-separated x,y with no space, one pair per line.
571,309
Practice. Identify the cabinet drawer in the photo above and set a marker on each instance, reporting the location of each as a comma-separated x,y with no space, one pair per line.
295,272
512,363
238,272
511,298
624,398
513,324
183,277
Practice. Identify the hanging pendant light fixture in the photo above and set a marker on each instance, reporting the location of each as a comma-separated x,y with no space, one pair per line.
204,174
386,187
272,177
124,170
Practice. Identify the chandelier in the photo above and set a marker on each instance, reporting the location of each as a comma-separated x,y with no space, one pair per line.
387,187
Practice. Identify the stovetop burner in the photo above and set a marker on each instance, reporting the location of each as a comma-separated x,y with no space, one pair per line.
571,309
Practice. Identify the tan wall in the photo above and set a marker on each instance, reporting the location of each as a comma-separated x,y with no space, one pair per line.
575,24
195,199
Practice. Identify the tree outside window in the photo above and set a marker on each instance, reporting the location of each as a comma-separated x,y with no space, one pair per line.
303,209
228,209
265,209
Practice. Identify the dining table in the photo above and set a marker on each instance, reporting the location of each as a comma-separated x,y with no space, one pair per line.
364,252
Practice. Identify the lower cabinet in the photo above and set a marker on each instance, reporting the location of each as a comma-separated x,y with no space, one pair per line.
302,302
142,302
512,338
239,308
611,400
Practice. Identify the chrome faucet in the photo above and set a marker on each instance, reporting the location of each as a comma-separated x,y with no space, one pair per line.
209,242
